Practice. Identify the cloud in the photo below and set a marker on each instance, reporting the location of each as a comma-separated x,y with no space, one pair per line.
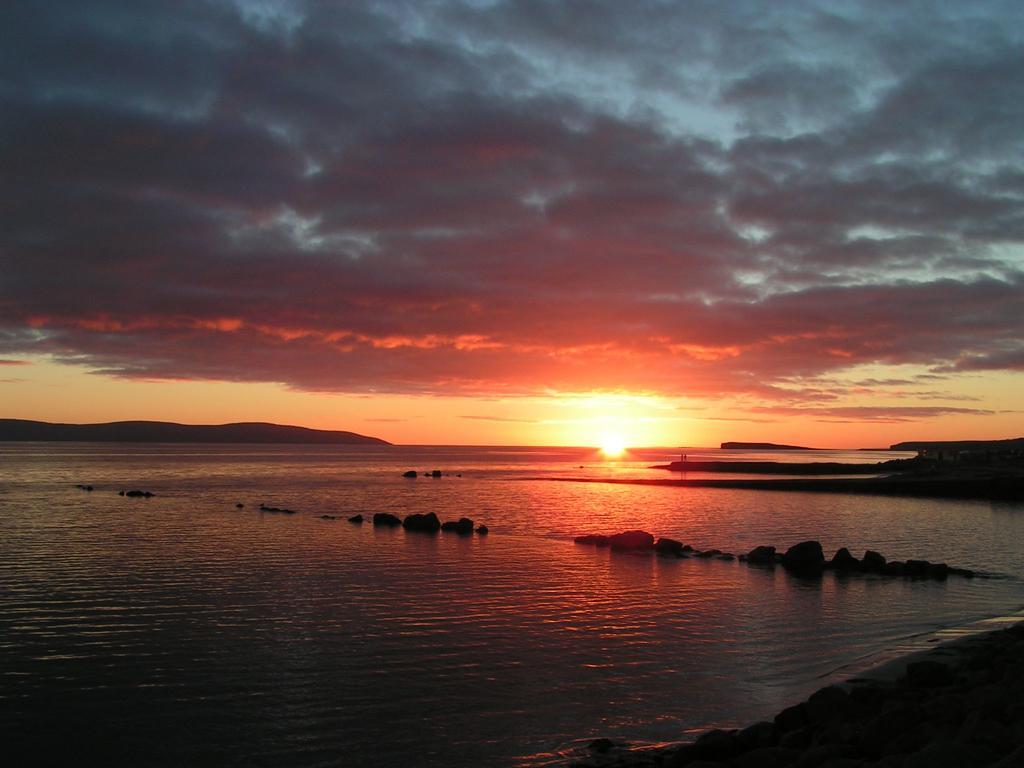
515,198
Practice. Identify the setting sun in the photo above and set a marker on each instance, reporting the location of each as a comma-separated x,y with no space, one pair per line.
613,446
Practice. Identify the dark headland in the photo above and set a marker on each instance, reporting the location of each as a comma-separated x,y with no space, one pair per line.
169,432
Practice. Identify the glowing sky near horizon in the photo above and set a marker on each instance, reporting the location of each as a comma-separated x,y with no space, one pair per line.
517,222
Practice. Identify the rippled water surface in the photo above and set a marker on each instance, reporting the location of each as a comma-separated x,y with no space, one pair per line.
179,630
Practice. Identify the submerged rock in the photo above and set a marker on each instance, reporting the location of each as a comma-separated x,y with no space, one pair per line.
277,510
239,505
427,523
410,473
386,519
137,494
436,473
328,517
482,530
357,519
708,553
597,539
84,487
463,526
631,540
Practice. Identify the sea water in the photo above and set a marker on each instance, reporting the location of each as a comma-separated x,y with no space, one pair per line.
182,630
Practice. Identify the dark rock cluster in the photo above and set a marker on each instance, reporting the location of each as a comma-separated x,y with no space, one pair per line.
806,558
136,494
639,541
425,523
276,510
960,708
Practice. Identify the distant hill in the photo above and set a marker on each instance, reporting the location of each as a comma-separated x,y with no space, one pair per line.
168,432
766,447
960,445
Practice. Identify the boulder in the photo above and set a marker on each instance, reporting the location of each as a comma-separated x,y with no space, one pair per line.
631,540
137,494
717,745
601,746
763,734
842,560
666,546
805,557
791,718
410,473
873,562
708,553
726,556
761,555
827,704
766,757
597,539
357,519
463,526
239,505
436,473
386,518
929,674
482,530
428,523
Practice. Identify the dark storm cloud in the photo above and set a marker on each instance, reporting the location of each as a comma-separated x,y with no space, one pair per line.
514,197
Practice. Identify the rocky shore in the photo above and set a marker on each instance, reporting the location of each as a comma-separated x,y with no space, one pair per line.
960,705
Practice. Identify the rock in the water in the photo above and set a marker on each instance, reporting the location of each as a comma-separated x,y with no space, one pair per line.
386,518
805,557
357,519
596,539
137,494
631,540
708,553
842,560
667,546
482,530
328,517
84,487
427,523
463,526
277,510
410,473
239,505
873,562
728,556
761,555
436,473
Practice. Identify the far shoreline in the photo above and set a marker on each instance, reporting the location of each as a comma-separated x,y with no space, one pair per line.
996,488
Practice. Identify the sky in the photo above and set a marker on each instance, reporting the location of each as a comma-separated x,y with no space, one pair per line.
517,222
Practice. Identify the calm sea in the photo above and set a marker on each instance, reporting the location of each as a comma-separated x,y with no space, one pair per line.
182,631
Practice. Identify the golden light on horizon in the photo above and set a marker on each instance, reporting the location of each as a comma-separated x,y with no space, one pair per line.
613,446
